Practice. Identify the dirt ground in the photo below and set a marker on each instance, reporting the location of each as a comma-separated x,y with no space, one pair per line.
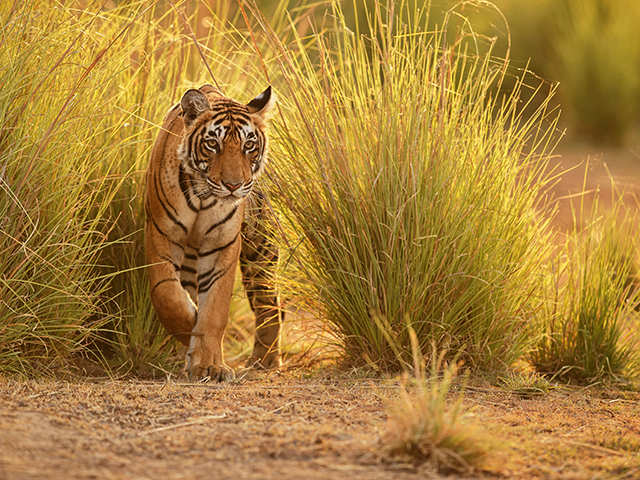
286,426
324,424
588,169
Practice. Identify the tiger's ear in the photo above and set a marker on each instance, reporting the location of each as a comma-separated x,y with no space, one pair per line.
193,103
263,103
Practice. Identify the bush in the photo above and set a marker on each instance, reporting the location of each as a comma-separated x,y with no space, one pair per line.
412,191
588,334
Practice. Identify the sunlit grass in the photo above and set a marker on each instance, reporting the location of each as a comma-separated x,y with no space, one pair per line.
84,90
425,425
410,192
590,321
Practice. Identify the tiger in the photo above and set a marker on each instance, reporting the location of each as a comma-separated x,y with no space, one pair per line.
204,215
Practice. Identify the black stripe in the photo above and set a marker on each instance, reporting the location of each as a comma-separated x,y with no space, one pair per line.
182,180
233,114
171,215
168,259
241,114
224,103
186,284
193,135
190,257
237,116
198,147
231,108
261,141
217,249
213,204
251,258
224,220
202,276
185,268
261,255
199,140
159,188
164,234
205,287
217,116
163,281
260,289
189,149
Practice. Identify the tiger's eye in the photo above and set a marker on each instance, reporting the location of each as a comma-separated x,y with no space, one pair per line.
211,145
248,145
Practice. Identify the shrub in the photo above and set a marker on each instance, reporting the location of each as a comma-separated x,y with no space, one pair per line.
588,334
411,191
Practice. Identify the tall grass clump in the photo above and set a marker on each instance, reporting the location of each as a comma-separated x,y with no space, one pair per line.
84,91
588,325
79,86
54,195
410,190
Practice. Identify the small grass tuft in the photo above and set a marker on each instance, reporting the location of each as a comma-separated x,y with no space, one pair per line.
425,426
526,384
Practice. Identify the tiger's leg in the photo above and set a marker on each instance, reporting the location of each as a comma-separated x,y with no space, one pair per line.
205,357
258,262
188,274
171,302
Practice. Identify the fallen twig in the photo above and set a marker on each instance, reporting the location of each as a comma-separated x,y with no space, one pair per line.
184,424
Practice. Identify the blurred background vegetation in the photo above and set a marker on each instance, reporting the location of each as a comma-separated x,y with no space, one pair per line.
591,48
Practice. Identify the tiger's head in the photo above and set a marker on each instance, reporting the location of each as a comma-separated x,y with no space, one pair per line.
224,146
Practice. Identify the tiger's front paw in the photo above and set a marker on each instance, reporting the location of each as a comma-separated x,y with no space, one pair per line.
211,373
204,361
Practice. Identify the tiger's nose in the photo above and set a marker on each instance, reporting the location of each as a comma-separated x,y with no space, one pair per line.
232,186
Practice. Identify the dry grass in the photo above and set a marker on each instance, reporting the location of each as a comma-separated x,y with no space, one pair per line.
526,384
425,425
